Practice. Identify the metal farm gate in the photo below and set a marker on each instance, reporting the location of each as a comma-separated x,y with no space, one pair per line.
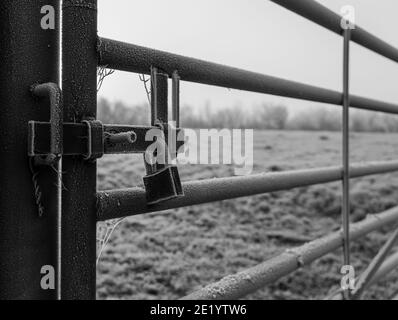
50,140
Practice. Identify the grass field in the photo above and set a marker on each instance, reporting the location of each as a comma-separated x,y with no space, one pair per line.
170,254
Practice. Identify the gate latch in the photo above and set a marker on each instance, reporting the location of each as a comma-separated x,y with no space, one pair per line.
90,139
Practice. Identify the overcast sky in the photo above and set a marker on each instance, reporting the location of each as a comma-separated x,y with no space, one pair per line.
256,35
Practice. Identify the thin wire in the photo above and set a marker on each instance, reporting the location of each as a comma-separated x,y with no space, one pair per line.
110,228
36,188
102,73
346,153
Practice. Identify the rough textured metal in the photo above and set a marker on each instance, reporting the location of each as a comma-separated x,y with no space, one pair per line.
238,285
80,100
127,202
29,55
95,140
163,185
133,58
75,139
316,12
53,93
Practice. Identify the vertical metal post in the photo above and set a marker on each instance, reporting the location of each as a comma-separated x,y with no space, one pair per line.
159,108
79,76
346,150
29,54
159,83
176,99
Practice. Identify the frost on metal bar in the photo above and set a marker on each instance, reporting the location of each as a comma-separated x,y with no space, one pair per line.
121,203
238,285
316,12
132,58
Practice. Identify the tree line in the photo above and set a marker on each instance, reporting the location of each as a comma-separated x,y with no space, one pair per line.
264,117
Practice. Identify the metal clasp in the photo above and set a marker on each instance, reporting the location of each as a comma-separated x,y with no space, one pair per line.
162,181
53,92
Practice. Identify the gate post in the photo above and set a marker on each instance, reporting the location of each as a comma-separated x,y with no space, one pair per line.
79,60
29,54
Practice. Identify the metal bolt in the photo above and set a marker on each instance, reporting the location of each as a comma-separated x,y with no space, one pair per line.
123,137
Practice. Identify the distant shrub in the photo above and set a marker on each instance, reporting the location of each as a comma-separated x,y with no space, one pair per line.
316,119
263,117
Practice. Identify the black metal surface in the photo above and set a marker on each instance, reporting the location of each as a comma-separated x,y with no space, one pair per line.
163,185
29,55
52,92
80,101
95,140
316,12
133,58
115,140
238,285
121,203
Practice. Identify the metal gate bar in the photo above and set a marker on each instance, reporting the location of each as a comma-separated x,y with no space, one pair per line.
28,232
245,282
346,152
316,12
365,278
121,203
132,58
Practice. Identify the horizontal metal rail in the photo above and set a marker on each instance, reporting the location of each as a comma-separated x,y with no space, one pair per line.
316,12
363,282
121,203
238,285
132,58
390,264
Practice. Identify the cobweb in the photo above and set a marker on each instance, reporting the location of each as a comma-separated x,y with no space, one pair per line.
102,73
105,230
